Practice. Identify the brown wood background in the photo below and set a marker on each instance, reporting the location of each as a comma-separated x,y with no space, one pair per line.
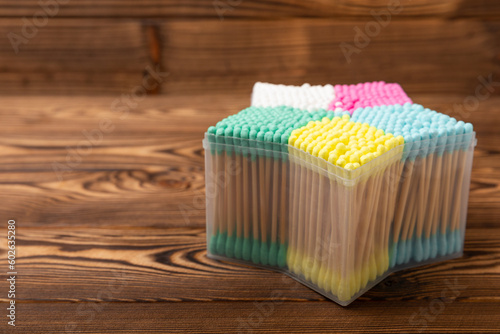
117,243
100,47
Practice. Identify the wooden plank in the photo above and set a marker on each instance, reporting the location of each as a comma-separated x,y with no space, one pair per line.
210,56
52,119
73,56
154,131
107,249
254,9
36,132
169,264
149,169
170,195
480,8
97,56
263,317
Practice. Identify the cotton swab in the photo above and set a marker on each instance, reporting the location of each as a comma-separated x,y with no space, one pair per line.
213,211
423,130
338,98
337,201
253,235
368,94
231,198
275,206
307,140
460,192
221,239
239,215
247,246
284,218
305,97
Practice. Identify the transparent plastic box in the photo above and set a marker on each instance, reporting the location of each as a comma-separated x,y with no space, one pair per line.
337,231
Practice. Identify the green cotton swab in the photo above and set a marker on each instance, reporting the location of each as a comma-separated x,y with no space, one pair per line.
247,212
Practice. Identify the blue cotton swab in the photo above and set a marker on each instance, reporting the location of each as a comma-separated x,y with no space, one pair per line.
432,159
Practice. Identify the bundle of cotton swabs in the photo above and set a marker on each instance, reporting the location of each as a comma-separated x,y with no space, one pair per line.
338,201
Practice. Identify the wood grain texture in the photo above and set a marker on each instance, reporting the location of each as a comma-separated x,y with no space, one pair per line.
102,56
75,264
108,248
73,56
263,317
151,165
423,56
254,9
171,195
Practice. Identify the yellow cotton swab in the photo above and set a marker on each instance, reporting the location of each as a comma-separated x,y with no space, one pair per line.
345,274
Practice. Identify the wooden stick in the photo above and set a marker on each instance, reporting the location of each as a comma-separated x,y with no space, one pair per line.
347,240
268,188
319,242
221,202
323,234
356,230
400,210
411,206
454,170
436,194
262,197
360,228
457,202
395,181
382,250
246,198
302,230
422,195
330,278
295,169
438,205
431,187
231,205
255,210
445,206
284,200
275,198
448,158
214,200
335,235
367,253
382,220
413,219
366,229
238,194
464,161
286,174
310,224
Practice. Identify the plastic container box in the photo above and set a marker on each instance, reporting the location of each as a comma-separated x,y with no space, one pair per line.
337,231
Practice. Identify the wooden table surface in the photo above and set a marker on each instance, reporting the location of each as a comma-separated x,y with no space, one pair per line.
109,209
